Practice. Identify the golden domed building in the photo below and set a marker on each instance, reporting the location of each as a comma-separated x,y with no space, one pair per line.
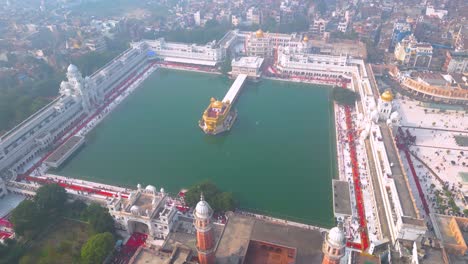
259,33
387,96
218,117
385,105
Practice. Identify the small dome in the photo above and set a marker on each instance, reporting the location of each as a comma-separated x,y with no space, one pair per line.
139,186
217,104
203,209
259,33
305,39
162,190
394,116
336,237
151,188
135,209
387,96
72,68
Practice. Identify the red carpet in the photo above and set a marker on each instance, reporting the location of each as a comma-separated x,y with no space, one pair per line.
357,186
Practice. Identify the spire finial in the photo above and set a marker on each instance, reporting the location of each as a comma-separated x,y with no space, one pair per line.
202,197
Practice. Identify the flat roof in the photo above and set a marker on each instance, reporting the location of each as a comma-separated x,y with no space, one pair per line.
445,231
250,62
191,61
261,252
236,236
181,255
307,242
240,230
64,148
341,198
9,202
406,199
184,234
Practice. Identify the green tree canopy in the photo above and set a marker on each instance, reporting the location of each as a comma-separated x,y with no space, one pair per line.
10,251
97,248
226,66
99,219
344,96
50,198
218,200
26,219
224,201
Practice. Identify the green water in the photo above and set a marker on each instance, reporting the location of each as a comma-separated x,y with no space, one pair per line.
277,158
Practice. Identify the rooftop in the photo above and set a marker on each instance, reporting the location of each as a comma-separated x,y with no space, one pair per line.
406,199
452,231
181,255
9,202
250,62
341,198
240,231
64,148
261,252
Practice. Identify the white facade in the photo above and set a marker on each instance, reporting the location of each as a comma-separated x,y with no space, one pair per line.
432,12
209,54
254,16
197,18
77,98
342,26
310,65
261,44
251,66
403,218
385,109
145,211
413,53
318,26
458,62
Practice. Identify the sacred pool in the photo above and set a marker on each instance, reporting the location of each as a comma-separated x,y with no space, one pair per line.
278,158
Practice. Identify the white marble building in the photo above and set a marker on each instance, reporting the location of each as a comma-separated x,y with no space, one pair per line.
209,54
78,97
146,211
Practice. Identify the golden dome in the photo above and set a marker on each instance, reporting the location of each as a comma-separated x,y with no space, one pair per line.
259,33
305,39
387,96
217,104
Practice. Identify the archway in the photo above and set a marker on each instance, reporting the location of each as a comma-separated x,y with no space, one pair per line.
137,227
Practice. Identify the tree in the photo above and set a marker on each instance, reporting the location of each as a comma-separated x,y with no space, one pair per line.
344,96
219,201
226,66
321,6
209,189
26,219
97,248
465,212
10,251
99,219
224,202
50,198
299,24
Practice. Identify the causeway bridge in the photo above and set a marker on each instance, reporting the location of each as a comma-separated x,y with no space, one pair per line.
233,92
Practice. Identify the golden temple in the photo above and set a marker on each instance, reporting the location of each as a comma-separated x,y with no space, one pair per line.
217,117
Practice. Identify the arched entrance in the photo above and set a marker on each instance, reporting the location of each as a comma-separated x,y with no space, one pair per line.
137,227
